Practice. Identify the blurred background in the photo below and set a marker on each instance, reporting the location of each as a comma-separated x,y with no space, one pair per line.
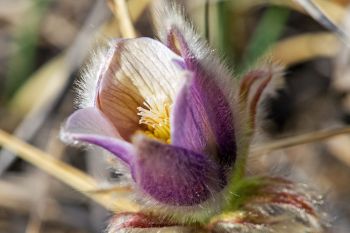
44,44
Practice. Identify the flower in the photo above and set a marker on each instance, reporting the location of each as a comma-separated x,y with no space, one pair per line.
172,113
167,111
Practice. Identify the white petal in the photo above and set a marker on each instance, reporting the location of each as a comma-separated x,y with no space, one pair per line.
150,66
140,72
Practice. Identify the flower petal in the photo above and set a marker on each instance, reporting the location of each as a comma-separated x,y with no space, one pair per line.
140,71
89,125
211,89
173,175
190,124
205,109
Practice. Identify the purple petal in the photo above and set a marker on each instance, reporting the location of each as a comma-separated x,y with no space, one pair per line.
203,112
173,175
190,124
89,125
210,89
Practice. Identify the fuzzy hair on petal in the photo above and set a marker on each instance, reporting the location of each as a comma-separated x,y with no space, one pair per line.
182,214
168,15
86,86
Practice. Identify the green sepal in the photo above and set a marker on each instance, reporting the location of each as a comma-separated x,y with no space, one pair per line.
242,191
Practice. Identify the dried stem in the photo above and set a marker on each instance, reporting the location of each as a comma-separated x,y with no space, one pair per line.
298,140
114,189
64,172
137,7
120,11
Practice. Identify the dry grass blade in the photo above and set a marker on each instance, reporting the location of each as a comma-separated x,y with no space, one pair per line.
64,172
305,47
111,190
298,140
120,11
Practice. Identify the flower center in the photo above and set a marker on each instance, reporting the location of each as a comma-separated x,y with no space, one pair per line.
155,115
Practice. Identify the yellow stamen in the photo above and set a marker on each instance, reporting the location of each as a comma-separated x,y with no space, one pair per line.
156,116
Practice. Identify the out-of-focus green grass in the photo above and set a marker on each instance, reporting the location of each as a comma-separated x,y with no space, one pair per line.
23,59
266,33
224,37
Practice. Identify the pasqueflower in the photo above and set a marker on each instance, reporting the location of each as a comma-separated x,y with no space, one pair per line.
167,111
171,112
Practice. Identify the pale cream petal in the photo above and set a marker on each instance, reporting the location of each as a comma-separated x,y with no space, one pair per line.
151,67
140,72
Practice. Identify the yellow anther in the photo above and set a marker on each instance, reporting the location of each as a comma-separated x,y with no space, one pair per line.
156,116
